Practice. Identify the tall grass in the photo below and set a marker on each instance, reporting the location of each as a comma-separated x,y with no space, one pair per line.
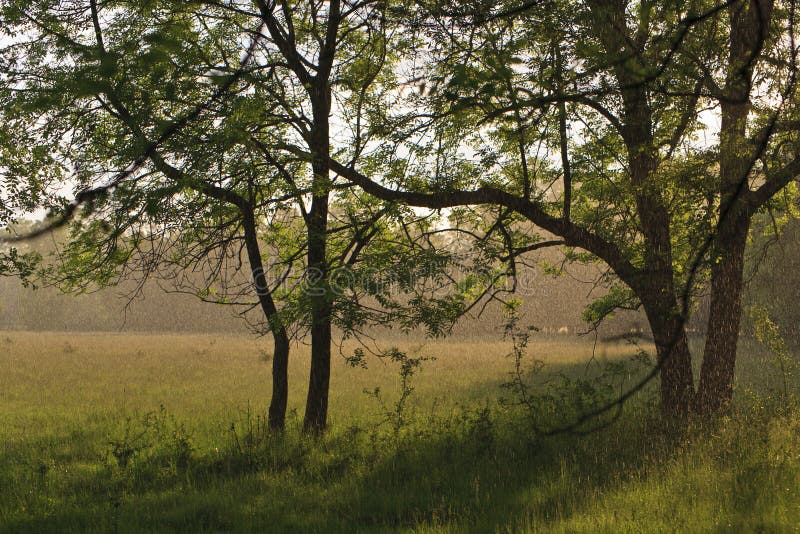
115,433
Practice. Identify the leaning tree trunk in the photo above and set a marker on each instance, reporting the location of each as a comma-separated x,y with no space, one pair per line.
280,359
656,290
715,391
316,416
657,293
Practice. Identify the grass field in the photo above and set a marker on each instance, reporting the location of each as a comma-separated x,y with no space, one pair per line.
160,433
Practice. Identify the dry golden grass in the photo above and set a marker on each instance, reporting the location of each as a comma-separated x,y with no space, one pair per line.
48,375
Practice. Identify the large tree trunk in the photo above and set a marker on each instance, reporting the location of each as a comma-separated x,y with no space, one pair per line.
316,416
672,349
658,295
750,23
715,392
656,286
280,359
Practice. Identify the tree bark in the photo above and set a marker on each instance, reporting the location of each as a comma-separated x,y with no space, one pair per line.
672,349
656,289
280,380
677,382
749,27
655,285
715,391
319,380
317,82
280,358
316,415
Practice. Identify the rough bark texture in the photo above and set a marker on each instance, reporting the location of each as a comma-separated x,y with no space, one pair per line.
749,26
280,381
655,285
715,392
316,416
719,358
319,379
672,349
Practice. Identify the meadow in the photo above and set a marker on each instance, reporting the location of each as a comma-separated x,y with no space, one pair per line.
165,433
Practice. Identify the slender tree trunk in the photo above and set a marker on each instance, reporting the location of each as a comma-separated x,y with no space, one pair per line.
319,381
280,380
280,359
316,416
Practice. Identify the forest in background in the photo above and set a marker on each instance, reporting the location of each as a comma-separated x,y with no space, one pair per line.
554,301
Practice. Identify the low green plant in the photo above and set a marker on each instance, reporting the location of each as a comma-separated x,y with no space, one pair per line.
768,333
397,414
157,436
554,400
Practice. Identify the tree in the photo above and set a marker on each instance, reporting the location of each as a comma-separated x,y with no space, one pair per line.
580,118
173,137
322,59
639,193
755,129
515,80
95,90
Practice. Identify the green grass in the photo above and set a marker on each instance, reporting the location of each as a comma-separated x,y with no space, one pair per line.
464,462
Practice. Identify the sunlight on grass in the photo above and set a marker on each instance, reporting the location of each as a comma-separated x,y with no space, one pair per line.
132,433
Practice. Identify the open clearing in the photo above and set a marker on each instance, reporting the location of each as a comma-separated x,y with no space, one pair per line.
131,433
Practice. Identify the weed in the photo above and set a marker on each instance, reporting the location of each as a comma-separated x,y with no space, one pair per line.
767,332
156,435
131,443
397,415
558,398
249,436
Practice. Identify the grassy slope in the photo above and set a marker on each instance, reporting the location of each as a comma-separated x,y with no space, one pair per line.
465,463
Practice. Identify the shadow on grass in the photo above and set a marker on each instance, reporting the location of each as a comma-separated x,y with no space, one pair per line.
478,468
464,480
474,469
